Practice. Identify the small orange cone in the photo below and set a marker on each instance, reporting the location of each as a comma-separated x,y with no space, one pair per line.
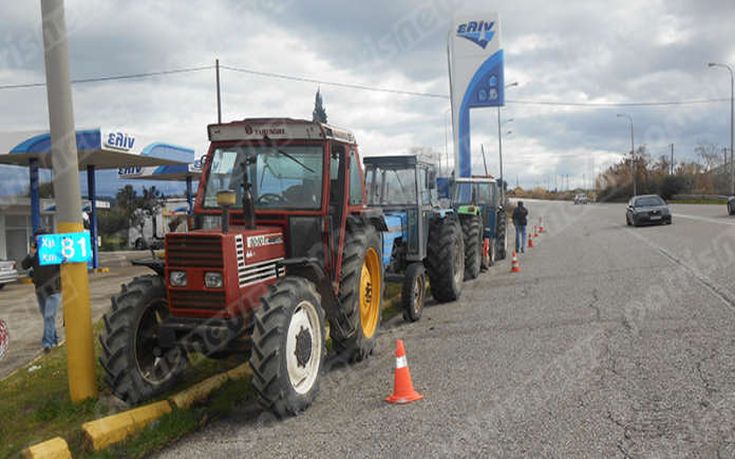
535,231
530,241
515,266
541,225
403,391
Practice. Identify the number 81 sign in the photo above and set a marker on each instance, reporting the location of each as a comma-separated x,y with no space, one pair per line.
55,249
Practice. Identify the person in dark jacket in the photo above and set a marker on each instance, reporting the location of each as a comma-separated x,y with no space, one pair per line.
520,220
48,292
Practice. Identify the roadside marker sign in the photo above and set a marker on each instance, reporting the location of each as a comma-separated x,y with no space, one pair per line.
55,249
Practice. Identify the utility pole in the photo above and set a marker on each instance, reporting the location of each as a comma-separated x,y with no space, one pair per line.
500,156
672,159
219,97
732,122
484,162
74,280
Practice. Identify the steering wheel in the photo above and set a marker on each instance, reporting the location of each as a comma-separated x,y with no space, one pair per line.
268,198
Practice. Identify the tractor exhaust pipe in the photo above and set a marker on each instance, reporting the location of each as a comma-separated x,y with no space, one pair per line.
248,203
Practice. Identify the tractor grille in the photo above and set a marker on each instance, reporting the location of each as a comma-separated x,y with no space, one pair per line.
182,299
259,272
194,251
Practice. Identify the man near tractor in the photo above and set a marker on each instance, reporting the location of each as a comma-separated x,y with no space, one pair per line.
520,220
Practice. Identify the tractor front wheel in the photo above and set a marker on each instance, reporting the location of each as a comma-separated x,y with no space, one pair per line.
413,292
445,260
137,368
288,346
472,234
360,290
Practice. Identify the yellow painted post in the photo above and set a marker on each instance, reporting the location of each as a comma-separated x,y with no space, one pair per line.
78,323
74,280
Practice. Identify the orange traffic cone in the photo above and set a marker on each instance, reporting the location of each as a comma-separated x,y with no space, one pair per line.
403,391
541,225
535,231
530,241
515,265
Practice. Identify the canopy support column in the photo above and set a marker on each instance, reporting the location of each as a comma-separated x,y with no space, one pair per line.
35,196
92,193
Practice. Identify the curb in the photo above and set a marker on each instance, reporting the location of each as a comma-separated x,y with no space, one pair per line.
102,433
56,448
107,431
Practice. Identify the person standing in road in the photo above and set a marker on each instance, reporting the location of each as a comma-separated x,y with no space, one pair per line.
520,220
47,281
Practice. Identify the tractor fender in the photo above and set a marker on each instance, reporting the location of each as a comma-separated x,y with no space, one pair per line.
313,270
374,215
156,264
444,213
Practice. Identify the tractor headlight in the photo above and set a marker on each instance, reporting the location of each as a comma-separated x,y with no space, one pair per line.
177,278
213,280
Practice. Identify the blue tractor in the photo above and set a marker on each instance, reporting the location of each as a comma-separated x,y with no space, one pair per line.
423,240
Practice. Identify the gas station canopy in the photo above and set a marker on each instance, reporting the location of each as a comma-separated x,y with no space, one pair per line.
96,149
103,149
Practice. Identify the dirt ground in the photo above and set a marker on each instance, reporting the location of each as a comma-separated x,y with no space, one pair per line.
19,309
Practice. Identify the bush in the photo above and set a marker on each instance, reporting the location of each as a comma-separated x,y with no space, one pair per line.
671,185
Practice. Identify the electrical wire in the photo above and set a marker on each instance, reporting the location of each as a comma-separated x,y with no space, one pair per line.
364,87
114,77
333,83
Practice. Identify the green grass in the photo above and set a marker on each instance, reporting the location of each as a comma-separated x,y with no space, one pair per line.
37,407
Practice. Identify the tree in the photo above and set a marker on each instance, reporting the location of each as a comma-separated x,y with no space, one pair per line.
320,112
710,154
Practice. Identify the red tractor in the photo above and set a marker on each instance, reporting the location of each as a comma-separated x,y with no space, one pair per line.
284,244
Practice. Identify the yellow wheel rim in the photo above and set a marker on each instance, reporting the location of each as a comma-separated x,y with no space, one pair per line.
370,289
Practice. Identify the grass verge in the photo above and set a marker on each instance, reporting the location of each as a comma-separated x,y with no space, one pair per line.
36,399
37,407
719,202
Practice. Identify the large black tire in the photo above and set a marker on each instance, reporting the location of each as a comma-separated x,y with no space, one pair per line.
501,233
136,368
472,235
445,259
413,292
362,251
288,335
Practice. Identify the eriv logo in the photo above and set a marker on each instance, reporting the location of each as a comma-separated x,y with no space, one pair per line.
120,141
478,32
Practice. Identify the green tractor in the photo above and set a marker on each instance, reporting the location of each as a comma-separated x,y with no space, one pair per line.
478,203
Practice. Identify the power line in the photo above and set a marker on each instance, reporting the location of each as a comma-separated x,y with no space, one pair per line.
364,87
335,83
114,77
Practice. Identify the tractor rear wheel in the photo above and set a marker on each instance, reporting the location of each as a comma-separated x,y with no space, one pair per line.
472,235
136,367
445,259
288,346
360,291
413,292
501,236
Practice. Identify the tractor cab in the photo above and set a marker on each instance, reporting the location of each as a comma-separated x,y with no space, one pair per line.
404,187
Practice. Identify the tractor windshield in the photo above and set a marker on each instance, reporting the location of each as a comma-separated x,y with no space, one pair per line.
477,193
282,177
387,186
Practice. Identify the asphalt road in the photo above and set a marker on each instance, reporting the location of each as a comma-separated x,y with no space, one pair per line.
612,341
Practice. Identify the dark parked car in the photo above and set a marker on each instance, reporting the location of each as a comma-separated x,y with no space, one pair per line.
647,209
731,205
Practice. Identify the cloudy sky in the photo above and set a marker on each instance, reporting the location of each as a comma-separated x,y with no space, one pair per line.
558,51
